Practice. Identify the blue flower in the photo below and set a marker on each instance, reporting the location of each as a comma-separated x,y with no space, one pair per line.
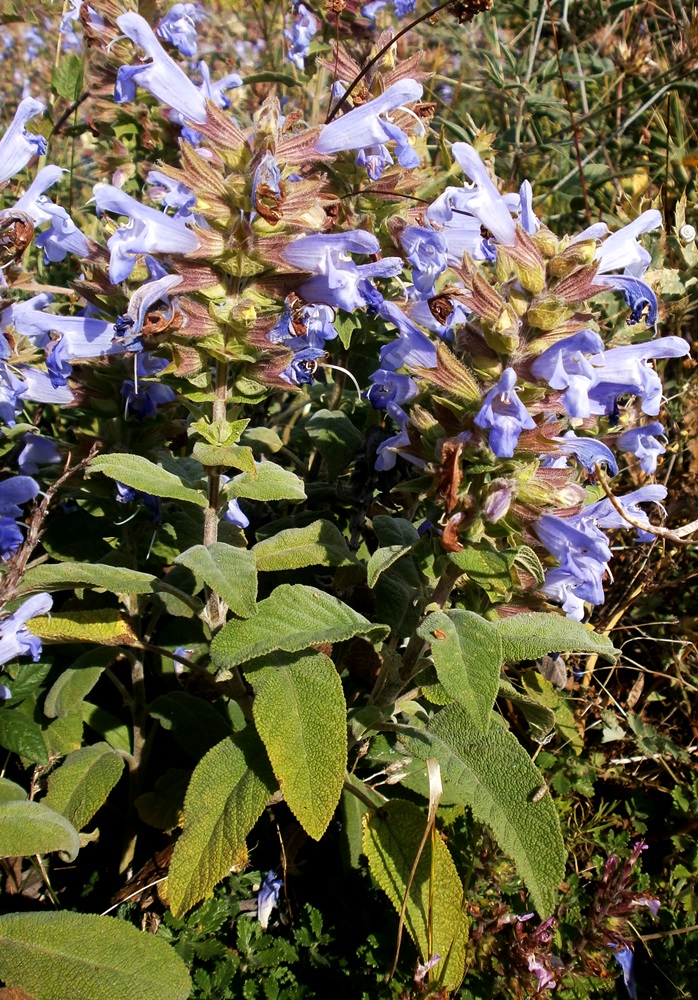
369,126
128,327
268,897
504,415
311,326
583,553
18,146
299,35
388,387
301,371
36,452
412,349
605,515
171,193
625,370
178,27
338,278
624,957
588,451
234,513
153,506
15,491
144,401
642,442
15,638
148,231
426,252
62,236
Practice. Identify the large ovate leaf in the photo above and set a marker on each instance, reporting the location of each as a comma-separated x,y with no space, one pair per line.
23,736
268,482
291,619
194,723
225,456
63,576
467,654
335,437
300,714
486,567
28,828
74,684
145,476
391,841
492,773
230,572
80,786
85,957
528,636
10,791
104,627
228,791
382,559
318,544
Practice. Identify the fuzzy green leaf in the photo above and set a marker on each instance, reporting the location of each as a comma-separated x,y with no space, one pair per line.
227,793
74,684
22,736
317,544
11,792
230,572
291,619
67,76
268,482
67,575
139,473
80,786
391,840
28,828
540,718
335,437
528,636
195,724
300,714
467,654
382,559
86,957
492,773
106,627
225,456
106,725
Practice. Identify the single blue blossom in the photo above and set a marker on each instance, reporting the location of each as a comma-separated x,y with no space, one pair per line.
504,415
149,231
18,146
153,506
642,442
11,537
170,193
15,638
625,369
369,125
36,452
624,957
426,252
604,514
178,27
62,236
583,553
389,387
15,491
143,399
302,369
235,515
567,366
412,349
268,897
588,451
337,277
299,35
311,326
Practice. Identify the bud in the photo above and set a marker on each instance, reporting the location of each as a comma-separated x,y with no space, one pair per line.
547,313
546,242
498,501
573,255
451,375
503,335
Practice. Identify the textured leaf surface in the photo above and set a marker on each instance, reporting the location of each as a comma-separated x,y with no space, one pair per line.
22,735
230,572
528,636
75,683
85,957
268,482
138,472
318,544
194,723
382,559
10,791
106,627
467,654
391,840
335,437
227,793
486,567
300,713
291,619
80,786
108,726
492,773
225,456
540,718
28,828
61,576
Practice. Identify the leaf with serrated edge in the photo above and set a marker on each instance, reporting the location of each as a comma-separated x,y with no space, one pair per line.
291,619
140,474
467,654
492,773
528,636
230,572
85,957
228,791
29,828
80,786
318,544
391,840
268,482
64,576
300,714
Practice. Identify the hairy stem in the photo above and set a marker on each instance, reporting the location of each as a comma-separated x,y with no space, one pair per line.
215,607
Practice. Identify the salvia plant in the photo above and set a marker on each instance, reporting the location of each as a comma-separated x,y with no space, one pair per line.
309,433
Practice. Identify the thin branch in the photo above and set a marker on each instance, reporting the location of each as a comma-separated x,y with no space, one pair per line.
676,536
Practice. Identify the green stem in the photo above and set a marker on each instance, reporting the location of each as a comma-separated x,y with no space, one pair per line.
216,608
